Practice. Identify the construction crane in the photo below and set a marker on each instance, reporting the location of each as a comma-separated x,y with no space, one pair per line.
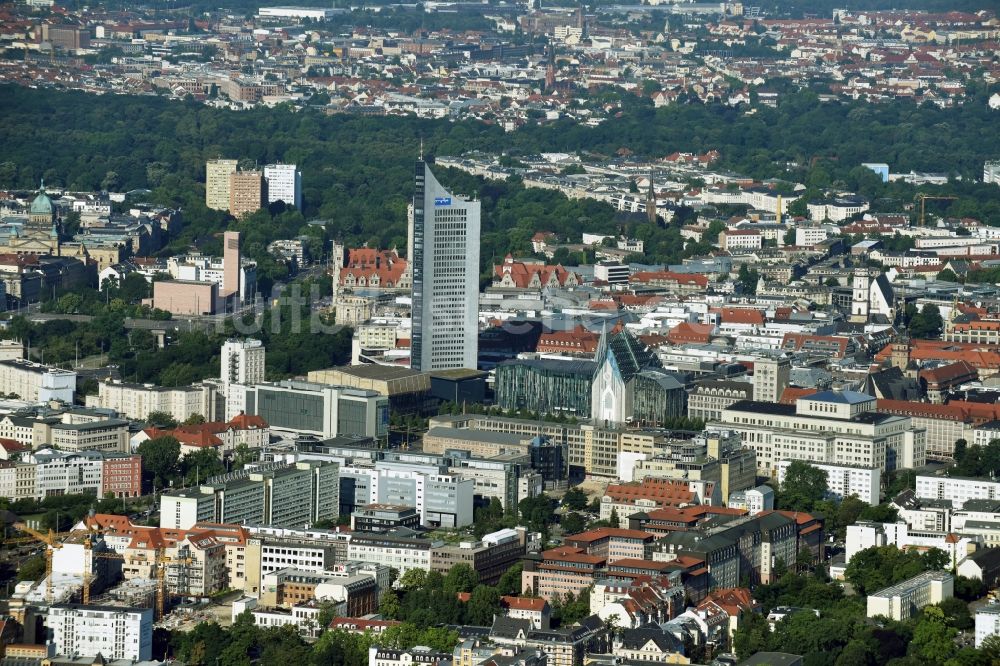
923,201
52,541
161,562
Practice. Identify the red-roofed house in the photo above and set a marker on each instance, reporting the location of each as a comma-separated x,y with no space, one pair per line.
639,601
749,316
737,602
536,611
11,448
243,429
690,333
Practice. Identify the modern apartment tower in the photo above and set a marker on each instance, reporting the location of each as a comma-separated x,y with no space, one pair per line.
247,192
284,183
217,173
445,260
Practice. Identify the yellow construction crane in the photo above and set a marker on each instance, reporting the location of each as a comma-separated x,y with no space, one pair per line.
52,541
162,560
923,200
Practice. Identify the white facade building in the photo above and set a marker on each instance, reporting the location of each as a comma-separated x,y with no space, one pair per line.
241,366
958,490
987,623
445,242
35,382
64,473
111,631
901,601
833,427
137,401
284,183
845,480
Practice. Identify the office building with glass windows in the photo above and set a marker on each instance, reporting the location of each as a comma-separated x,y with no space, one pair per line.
444,237
322,410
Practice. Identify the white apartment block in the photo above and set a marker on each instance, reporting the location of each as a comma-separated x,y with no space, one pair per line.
845,480
866,534
35,382
987,623
901,601
832,427
137,401
284,183
956,489
64,473
113,632
837,210
396,553
283,555
242,364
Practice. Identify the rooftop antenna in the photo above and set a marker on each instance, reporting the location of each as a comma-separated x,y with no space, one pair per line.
421,148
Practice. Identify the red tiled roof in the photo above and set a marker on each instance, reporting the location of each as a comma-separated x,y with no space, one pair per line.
523,603
793,393
607,533
690,332
739,315
522,273
364,264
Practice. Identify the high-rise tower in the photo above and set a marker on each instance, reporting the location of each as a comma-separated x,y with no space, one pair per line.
445,242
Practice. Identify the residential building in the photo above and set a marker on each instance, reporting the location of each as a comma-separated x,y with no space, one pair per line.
982,565
536,611
247,192
217,173
956,489
121,475
444,238
108,631
987,617
423,655
902,601
284,183
138,401
753,500
845,480
34,382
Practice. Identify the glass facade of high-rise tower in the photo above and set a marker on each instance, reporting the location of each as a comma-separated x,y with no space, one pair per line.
445,277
